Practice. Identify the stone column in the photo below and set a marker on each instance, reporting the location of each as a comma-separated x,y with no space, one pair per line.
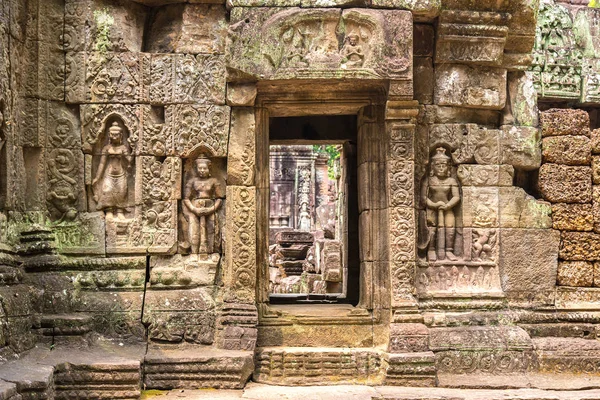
238,317
400,166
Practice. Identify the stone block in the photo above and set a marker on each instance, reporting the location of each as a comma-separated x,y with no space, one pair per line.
198,128
521,108
528,259
575,273
424,11
400,182
572,217
485,175
597,274
595,141
465,86
596,170
84,235
480,206
408,338
187,78
158,179
188,29
596,208
411,369
520,147
479,338
423,40
241,94
566,150
565,184
241,150
180,272
559,121
580,246
423,79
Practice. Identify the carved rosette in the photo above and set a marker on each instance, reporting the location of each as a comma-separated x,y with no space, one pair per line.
240,276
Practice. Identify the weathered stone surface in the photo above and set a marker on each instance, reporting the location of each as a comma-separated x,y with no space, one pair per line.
485,175
521,108
520,147
423,79
241,150
469,37
241,95
520,210
564,184
422,10
595,141
346,365
566,150
580,246
257,48
187,78
596,170
575,273
596,208
572,217
408,338
556,121
528,259
196,367
466,86
411,369
479,338
188,29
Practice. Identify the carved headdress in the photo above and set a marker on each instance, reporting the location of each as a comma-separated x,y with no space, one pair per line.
440,155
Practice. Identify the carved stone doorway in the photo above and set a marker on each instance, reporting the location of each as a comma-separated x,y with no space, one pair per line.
368,290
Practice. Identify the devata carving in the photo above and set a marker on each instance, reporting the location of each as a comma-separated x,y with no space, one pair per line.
352,52
440,194
202,198
110,183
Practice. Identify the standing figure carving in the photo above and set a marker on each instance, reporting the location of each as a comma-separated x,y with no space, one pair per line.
440,195
202,198
110,183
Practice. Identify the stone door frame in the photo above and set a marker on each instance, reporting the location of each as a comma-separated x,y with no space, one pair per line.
367,100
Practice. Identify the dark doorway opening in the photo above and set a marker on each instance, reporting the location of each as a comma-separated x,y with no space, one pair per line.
313,210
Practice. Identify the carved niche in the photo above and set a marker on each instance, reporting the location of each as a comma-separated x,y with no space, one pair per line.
202,207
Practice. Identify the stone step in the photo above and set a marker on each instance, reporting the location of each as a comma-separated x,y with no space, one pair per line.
197,367
318,365
66,324
571,355
411,369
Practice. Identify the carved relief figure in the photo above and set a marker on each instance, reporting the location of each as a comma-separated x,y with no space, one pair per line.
110,182
439,196
352,52
202,198
61,197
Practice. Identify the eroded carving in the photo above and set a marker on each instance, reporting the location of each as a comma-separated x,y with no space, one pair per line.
110,185
202,198
440,194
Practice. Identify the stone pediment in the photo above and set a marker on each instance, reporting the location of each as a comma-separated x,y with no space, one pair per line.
268,44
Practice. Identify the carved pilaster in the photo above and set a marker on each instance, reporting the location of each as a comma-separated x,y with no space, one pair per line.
240,252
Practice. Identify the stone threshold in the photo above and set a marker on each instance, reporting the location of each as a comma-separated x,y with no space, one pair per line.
254,391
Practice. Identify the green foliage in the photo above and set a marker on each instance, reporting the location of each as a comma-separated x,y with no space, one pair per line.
594,3
334,153
103,22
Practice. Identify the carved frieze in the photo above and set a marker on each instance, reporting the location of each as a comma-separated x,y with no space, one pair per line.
473,37
241,149
401,183
184,78
116,77
198,128
458,281
321,43
48,124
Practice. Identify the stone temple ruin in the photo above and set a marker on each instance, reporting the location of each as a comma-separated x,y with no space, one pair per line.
200,193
